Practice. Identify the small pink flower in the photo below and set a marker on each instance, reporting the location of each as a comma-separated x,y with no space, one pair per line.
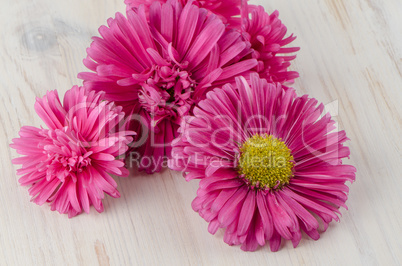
69,164
266,33
270,165
227,10
158,69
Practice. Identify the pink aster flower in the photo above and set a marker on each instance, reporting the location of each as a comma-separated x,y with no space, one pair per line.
227,10
270,166
266,33
157,70
69,164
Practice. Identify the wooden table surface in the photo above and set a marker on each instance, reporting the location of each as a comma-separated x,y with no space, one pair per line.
350,60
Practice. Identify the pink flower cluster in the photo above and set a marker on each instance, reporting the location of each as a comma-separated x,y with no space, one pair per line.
202,86
69,163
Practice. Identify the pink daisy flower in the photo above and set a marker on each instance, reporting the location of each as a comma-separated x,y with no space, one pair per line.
227,10
69,164
269,166
266,33
157,70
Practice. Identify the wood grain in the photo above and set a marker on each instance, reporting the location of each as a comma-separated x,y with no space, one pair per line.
350,59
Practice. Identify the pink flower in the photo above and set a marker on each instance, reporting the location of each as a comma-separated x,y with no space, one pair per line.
158,70
227,10
266,33
269,166
69,164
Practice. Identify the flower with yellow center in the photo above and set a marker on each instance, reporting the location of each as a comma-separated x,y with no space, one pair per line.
265,162
267,187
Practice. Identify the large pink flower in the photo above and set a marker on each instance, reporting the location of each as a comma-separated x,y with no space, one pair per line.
69,164
266,33
269,166
227,10
157,70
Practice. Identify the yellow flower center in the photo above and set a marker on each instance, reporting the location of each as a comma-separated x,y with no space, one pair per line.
265,162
